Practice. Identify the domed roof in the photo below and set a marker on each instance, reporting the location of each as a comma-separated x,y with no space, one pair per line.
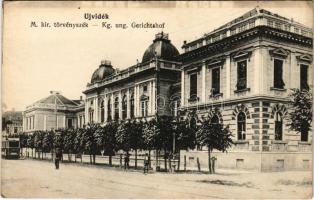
105,70
163,48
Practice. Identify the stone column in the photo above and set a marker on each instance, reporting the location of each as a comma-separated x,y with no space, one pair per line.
203,94
182,88
149,91
257,71
87,120
228,77
64,122
96,113
136,100
45,122
128,105
120,105
154,103
106,108
112,106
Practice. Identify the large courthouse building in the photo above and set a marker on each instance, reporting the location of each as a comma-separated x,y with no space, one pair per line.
239,74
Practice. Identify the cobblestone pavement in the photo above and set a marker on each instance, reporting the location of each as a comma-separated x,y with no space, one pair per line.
39,179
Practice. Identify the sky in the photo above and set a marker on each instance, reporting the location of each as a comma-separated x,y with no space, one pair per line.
38,60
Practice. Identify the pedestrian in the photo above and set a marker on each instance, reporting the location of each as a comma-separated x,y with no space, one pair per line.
146,163
126,161
213,163
57,158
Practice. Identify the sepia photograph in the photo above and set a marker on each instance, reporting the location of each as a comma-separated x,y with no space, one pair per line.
157,99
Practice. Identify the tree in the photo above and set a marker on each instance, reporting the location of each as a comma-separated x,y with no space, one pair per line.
58,140
48,142
78,144
149,132
69,138
23,141
109,140
185,137
30,143
90,141
301,115
213,136
123,136
38,142
136,137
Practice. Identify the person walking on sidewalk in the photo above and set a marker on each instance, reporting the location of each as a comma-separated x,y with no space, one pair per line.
58,158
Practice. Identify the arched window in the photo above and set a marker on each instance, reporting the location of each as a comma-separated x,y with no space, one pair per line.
132,106
278,126
241,126
124,107
102,111
109,110
214,119
116,108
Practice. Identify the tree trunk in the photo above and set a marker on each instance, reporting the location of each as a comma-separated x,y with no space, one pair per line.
209,162
32,153
179,158
165,160
135,159
81,158
110,160
90,159
42,155
149,159
75,157
94,158
157,164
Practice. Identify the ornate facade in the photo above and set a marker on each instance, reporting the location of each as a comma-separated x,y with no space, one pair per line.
239,74
132,93
242,73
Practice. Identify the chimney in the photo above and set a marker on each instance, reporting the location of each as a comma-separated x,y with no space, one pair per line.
105,62
81,98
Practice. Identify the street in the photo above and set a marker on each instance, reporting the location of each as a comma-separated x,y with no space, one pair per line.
39,179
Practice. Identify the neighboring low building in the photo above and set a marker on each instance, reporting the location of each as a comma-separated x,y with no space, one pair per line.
12,123
241,74
53,112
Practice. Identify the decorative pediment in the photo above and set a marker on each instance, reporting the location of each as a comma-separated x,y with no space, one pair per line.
305,58
279,52
242,54
194,68
215,62
144,97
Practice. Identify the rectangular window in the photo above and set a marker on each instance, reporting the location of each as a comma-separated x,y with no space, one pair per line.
278,25
287,27
69,123
296,30
304,32
270,23
145,88
215,81
233,31
252,24
15,129
278,75
193,85
303,77
241,75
